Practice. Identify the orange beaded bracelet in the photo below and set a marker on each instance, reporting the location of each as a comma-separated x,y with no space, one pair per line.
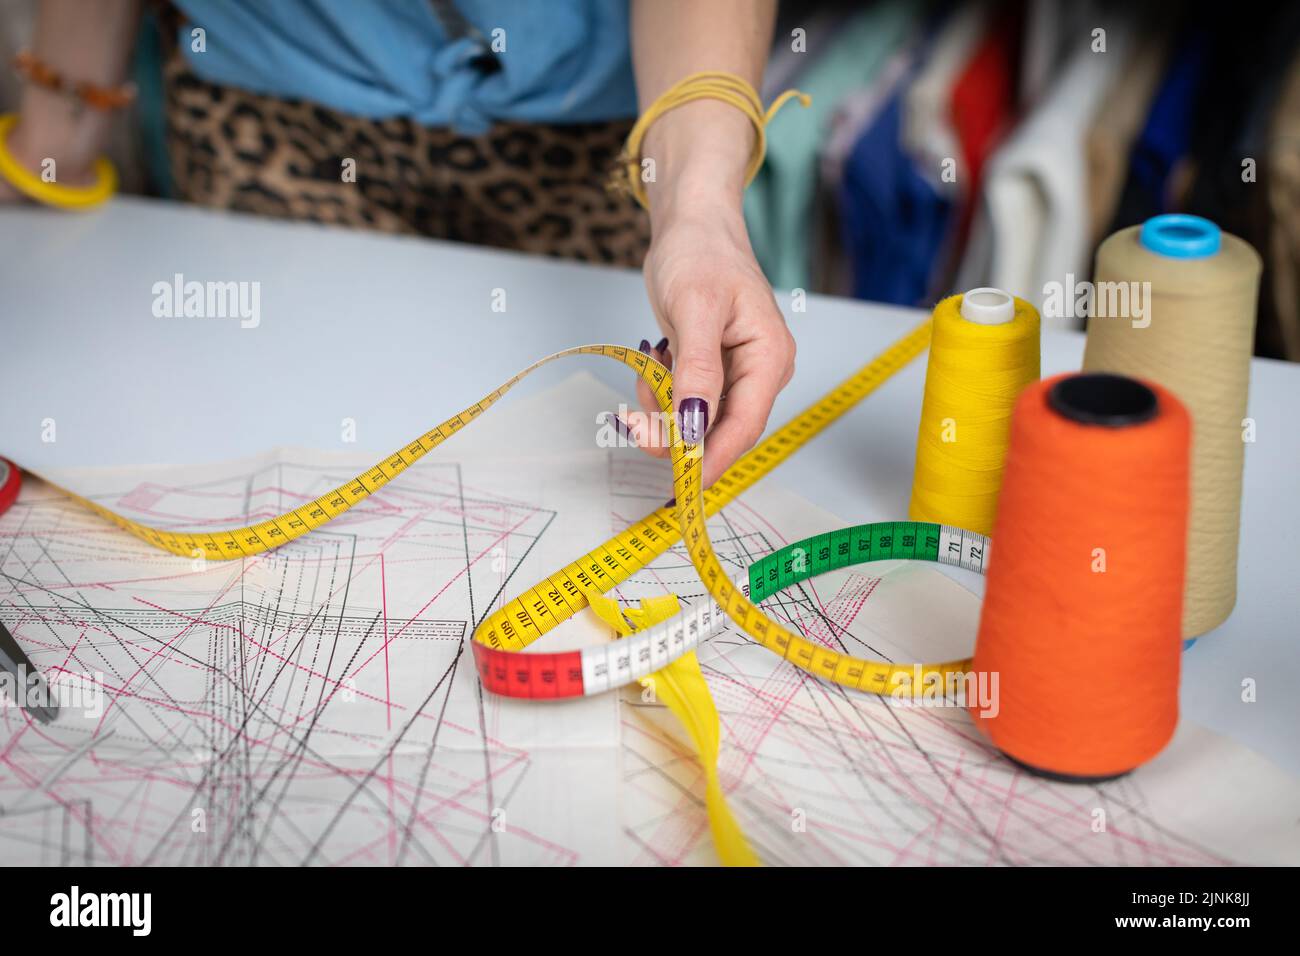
102,98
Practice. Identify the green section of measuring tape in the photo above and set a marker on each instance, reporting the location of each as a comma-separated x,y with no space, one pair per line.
881,541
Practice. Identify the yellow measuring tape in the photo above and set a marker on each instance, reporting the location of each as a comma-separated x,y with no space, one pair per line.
520,622
561,595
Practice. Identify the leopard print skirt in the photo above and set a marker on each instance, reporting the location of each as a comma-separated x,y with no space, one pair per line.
531,187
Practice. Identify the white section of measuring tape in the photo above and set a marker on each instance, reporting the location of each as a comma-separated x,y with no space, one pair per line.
628,659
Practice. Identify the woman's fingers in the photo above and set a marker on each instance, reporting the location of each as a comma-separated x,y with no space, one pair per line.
759,369
752,374
648,426
699,318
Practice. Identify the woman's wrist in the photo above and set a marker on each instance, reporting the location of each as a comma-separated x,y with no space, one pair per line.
700,153
51,128
86,43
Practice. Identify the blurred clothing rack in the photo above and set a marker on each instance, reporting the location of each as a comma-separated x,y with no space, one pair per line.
997,142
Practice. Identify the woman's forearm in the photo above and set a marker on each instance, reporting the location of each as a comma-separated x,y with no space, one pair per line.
725,334
700,150
85,43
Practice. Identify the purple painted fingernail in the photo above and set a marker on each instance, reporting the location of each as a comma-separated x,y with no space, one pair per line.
645,346
663,344
693,419
620,425
670,503
622,428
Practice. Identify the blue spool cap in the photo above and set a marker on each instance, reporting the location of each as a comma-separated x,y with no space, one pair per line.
1181,236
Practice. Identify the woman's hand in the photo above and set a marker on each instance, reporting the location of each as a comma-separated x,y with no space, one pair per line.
732,351
728,344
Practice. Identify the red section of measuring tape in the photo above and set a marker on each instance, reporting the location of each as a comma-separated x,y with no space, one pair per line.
9,490
537,676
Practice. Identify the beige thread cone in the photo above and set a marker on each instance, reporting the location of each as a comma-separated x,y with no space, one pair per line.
1198,346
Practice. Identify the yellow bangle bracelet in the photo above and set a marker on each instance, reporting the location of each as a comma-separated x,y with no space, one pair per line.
52,194
727,87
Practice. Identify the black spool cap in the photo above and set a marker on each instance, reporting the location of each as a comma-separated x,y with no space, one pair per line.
1099,398
1055,777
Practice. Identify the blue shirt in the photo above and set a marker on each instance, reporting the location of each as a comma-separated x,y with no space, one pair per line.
564,61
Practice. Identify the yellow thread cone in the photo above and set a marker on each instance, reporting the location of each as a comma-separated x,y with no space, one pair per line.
976,372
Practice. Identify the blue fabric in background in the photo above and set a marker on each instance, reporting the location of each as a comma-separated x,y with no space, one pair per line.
895,222
565,61
1167,135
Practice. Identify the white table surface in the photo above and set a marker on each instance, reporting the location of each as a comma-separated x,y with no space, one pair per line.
397,333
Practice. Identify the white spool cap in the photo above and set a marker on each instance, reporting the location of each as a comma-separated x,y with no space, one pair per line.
988,306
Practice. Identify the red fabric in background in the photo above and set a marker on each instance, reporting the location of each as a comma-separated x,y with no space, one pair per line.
983,104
